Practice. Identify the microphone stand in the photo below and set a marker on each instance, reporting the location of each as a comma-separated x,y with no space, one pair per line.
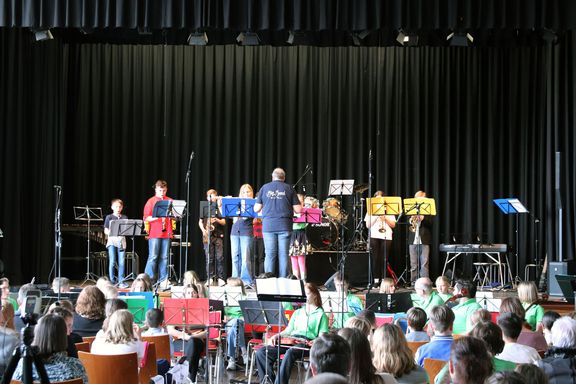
187,218
58,237
368,209
306,170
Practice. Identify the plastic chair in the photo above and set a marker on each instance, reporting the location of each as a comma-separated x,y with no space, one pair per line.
105,369
162,343
150,369
89,340
414,345
83,346
433,367
71,381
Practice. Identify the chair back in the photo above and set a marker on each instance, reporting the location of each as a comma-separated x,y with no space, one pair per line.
162,343
71,381
433,367
149,369
105,369
414,345
89,340
83,346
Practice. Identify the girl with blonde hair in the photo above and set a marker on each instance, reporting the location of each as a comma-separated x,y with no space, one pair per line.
528,295
241,241
119,337
387,286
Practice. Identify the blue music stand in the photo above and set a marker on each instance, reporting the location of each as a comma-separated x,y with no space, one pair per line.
238,207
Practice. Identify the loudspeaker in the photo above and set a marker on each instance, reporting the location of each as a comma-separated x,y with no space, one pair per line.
558,268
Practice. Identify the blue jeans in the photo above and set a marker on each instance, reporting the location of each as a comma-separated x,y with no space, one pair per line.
112,252
276,246
235,328
241,250
157,248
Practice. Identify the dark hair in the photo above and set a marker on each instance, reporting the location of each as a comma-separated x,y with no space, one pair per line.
532,374
514,305
416,318
62,312
160,183
471,361
361,367
154,317
468,286
491,334
505,377
266,275
549,318
441,317
369,315
511,324
50,335
330,353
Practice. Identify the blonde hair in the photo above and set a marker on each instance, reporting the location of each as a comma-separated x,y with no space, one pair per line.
247,186
236,282
7,314
442,278
360,324
119,330
192,278
391,352
387,285
527,292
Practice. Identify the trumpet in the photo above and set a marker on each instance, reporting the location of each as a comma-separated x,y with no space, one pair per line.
382,228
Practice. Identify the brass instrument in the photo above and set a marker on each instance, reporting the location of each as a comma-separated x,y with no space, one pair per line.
382,228
414,222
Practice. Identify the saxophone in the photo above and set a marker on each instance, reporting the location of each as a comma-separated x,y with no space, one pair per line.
414,221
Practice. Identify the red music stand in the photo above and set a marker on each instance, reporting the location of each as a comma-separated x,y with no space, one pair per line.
187,312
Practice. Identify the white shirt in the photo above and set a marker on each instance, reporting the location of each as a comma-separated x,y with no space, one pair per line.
101,347
376,224
519,354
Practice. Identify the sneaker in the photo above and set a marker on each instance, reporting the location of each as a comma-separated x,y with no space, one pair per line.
231,365
123,285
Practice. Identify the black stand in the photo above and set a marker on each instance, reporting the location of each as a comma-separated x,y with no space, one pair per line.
88,214
389,302
187,232
128,228
57,237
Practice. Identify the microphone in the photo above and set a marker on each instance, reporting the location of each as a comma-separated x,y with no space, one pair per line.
191,155
57,187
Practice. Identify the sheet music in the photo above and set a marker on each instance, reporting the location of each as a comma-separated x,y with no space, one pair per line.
279,286
518,206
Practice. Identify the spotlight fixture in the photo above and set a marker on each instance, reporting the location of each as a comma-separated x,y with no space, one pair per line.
460,39
198,38
42,34
358,36
248,38
407,39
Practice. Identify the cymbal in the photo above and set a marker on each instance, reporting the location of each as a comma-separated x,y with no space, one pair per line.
361,188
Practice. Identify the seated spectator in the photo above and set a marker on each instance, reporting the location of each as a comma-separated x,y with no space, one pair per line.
327,378
69,320
531,374
111,306
7,314
66,304
61,284
51,343
110,292
528,337
362,369
443,287
140,285
505,377
492,336
102,282
528,296
191,278
416,319
370,316
153,323
428,298
119,337
10,338
360,324
511,325
387,285
441,321
391,355
548,320
470,361
476,317
22,293
5,287
559,363
330,353
465,291
89,315
354,303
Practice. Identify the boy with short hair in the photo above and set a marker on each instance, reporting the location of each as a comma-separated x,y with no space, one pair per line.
153,322
416,318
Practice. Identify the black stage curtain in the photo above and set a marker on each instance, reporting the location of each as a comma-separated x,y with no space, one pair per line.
465,124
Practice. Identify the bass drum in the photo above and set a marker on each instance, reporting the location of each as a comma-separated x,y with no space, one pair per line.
321,236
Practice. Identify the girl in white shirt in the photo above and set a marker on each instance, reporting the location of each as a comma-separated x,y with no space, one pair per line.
119,337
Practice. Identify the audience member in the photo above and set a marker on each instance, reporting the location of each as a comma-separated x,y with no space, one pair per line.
360,324
548,320
69,320
141,285
119,337
5,287
443,287
441,321
465,292
387,285
492,336
392,355
111,306
89,314
110,291
370,316
61,284
153,323
532,374
505,377
559,363
7,314
527,337
51,342
10,338
330,353
66,304
470,362
528,295
327,378
22,293
428,298
416,319
511,325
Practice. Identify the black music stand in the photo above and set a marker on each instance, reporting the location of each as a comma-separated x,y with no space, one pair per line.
389,302
128,228
88,214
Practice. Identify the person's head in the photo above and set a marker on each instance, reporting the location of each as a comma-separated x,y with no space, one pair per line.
110,292
90,303
160,188
278,174
548,319
140,285
313,295
491,334
236,282
564,333
7,314
114,305
443,284
416,318
379,193
466,288
480,315
191,291
387,285
369,315
360,324
120,327
420,194
527,292
423,286
66,315
246,191
469,361
441,319
511,325
531,374
191,277
154,318
117,205
23,292
361,368
66,304
330,353
341,282
50,336
61,284
102,282
212,195
505,377
391,352
5,287
266,275
512,304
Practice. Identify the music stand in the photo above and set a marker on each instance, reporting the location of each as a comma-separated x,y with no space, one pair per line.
309,215
382,206
419,206
230,296
88,214
238,207
389,303
137,306
513,206
567,284
128,228
333,302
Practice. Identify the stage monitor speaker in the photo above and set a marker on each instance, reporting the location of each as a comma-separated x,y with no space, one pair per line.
558,268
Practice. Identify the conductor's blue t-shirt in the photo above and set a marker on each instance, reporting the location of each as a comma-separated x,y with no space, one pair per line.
277,199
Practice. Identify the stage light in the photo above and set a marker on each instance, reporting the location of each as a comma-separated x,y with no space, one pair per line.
248,38
42,34
407,39
460,39
198,38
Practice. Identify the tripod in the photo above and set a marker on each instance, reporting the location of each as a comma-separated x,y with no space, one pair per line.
29,356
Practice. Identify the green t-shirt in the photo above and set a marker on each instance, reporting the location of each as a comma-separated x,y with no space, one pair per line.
308,325
233,312
462,313
445,296
354,307
13,302
430,302
533,315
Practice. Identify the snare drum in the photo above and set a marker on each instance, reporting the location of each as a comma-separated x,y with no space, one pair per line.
331,207
311,202
322,236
